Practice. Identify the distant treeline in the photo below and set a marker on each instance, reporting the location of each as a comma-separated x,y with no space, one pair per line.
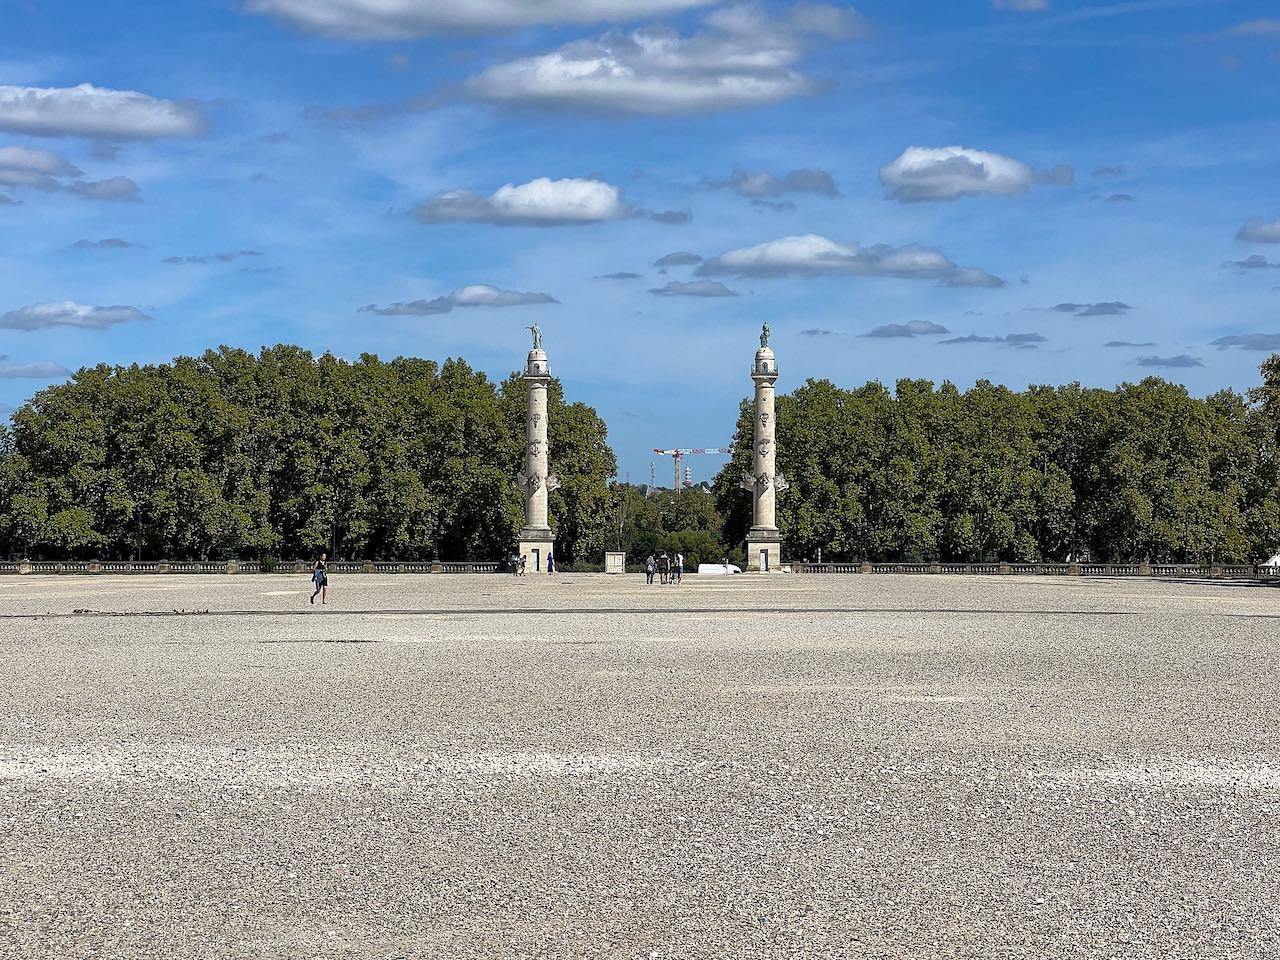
286,454
935,473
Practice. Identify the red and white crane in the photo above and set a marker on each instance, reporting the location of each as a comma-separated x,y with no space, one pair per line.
683,452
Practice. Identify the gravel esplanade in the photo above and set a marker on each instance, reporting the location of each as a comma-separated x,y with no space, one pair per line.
579,766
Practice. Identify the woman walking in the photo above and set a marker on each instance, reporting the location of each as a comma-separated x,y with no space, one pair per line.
320,577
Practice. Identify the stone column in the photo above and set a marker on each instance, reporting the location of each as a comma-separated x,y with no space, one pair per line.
537,540
764,542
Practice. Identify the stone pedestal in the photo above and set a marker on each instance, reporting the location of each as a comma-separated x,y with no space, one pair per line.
615,563
537,539
764,551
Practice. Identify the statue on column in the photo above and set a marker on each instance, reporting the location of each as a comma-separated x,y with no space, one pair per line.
764,335
537,336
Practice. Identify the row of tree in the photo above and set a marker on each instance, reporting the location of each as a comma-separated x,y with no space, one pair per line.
285,454
1144,471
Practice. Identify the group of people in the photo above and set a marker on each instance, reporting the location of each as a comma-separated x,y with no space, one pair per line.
520,563
668,567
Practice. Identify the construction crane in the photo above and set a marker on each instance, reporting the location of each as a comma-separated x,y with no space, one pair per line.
684,452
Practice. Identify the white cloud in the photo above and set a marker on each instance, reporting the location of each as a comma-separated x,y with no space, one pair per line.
744,59
398,19
1021,6
21,167
540,203
473,295
811,255
694,288
1258,230
113,188
33,371
36,161
948,173
484,295
42,316
89,111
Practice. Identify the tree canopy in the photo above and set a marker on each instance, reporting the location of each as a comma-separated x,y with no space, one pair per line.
925,472
284,454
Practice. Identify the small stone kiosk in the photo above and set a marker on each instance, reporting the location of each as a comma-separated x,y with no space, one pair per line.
537,539
764,541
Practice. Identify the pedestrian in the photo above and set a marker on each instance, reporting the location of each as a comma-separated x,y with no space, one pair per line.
524,559
515,564
679,567
551,564
320,577
650,568
664,568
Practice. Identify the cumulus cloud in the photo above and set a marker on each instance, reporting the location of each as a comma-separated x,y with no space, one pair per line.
1250,341
694,288
21,167
42,316
913,328
1110,308
113,188
33,371
485,295
620,275
948,173
474,295
742,59
215,257
672,216
1258,230
1180,361
1009,339
89,111
400,19
811,255
1128,343
108,243
761,185
680,258
539,203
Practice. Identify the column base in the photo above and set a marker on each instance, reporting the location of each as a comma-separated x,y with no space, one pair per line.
764,551
535,546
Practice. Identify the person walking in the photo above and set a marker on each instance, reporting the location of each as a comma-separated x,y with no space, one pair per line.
320,577
551,564
524,560
664,568
650,568
679,567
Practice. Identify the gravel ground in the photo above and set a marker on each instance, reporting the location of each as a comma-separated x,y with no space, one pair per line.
846,766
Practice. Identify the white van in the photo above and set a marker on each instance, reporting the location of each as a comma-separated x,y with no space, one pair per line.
717,569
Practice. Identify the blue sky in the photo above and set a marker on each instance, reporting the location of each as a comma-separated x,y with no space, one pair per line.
950,190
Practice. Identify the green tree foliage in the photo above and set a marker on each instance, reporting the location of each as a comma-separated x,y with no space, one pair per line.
231,454
1145,471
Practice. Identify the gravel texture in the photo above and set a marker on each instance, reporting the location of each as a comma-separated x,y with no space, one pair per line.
842,766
